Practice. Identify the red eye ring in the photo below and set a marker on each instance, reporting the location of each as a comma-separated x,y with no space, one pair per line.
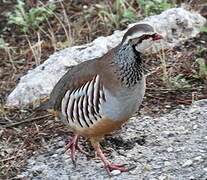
154,37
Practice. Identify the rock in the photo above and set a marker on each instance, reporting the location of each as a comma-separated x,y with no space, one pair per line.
115,172
195,126
174,24
198,158
162,177
187,163
22,176
170,149
205,169
167,163
54,155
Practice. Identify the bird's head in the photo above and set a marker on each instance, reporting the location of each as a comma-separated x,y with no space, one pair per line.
141,37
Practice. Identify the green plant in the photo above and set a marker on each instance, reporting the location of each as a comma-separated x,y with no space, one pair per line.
113,15
2,172
202,29
8,50
202,69
26,19
155,6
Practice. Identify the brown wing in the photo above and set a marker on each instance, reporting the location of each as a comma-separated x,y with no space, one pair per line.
72,80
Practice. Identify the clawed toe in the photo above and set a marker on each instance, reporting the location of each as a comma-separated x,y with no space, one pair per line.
111,167
74,146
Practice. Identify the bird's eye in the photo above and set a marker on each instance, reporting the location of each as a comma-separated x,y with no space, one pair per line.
156,37
143,37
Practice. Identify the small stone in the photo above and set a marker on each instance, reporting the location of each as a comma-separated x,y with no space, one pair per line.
181,106
158,165
61,144
65,177
205,169
193,110
1,132
191,177
167,163
181,128
195,126
182,149
31,161
198,158
193,117
115,172
204,42
9,150
168,134
22,176
54,155
187,163
202,151
170,149
162,177
59,151
96,160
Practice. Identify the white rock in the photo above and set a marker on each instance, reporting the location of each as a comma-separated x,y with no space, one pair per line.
162,177
22,176
167,163
198,158
170,149
174,25
187,163
193,118
191,177
55,155
115,172
195,126
205,169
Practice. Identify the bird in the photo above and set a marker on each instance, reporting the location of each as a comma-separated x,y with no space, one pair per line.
97,96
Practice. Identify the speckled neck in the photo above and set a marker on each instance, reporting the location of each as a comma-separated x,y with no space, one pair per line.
130,69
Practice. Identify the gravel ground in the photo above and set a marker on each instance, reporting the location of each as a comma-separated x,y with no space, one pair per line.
172,147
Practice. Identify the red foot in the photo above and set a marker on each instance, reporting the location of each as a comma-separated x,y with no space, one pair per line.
74,146
109,167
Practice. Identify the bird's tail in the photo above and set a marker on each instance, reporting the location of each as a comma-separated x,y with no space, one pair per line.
47,105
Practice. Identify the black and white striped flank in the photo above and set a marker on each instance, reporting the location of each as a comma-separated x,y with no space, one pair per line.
81,106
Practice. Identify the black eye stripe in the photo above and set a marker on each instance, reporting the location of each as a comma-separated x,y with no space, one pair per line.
144,37
147,36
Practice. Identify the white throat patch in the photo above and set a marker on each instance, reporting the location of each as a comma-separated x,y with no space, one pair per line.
144,45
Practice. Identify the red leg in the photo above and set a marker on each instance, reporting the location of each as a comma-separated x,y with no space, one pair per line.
109,167
74,146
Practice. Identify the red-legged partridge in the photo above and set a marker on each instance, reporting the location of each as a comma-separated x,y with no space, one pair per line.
96,97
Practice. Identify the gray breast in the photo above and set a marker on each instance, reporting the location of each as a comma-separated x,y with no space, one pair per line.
124,103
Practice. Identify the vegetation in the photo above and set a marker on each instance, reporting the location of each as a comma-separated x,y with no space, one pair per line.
28,19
